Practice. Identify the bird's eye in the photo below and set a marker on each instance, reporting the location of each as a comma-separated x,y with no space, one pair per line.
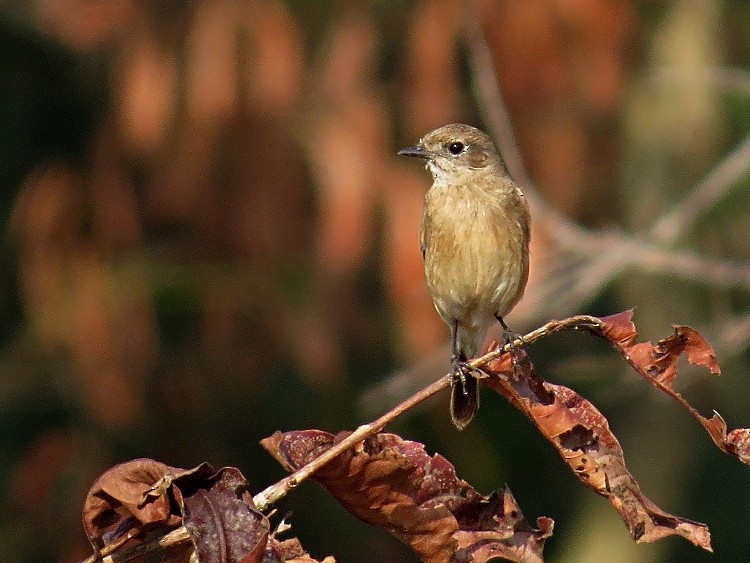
456,147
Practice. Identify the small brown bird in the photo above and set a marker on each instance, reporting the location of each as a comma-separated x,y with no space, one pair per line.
474,236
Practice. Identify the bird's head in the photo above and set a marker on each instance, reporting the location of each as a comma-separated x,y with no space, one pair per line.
457,151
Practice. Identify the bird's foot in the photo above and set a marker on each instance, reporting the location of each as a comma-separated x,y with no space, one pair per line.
510,338
463,370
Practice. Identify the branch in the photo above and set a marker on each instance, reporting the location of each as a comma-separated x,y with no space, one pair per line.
280,489
170,539
692,266
487,86
380,485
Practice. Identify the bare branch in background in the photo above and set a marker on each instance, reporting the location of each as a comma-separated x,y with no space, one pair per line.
579,263
492,105
732,79
586,261
716,185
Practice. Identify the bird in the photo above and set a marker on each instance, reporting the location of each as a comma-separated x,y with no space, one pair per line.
474,236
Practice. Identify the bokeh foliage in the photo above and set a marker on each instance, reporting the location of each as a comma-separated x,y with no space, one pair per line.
209,238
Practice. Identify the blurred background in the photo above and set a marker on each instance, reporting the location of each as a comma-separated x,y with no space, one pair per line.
208,237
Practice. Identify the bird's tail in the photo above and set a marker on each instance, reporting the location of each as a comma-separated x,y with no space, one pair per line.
465,392
464,401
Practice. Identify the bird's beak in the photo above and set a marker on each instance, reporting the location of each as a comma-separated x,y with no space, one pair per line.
417,151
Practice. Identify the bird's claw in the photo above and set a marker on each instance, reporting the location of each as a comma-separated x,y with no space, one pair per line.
509,339
462,370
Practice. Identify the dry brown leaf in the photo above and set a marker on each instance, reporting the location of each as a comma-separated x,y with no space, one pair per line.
658,364
221,518
212,79
582,437
736,442
134,489
289,551
147,94
393,484
341,140
144,495
339,151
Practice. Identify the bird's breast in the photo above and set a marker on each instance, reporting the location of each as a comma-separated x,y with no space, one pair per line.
475,255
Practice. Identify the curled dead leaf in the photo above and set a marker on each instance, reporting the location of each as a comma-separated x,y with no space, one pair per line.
134,489
395,485
145,495
738,441
221,519
658,364
582,437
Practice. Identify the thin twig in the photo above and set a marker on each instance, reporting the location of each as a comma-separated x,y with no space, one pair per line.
175,537
691,266
278,490
576,322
